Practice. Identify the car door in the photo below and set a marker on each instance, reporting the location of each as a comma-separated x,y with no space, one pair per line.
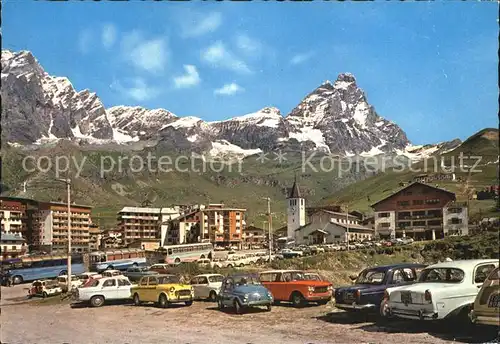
227,292
151,289
195,284
123,290
481,272
202,286
109,289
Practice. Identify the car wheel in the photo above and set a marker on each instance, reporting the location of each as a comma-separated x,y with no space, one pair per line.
268,308
384,310
213,296
135,265
297,299
242,265
17,280
63,272
277,302
220,305
44,295
137,301
97,301
237,307
177,260
323,302
110,267
163,301
230,266
188,303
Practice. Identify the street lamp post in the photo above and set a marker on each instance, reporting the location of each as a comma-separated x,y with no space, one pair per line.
347,225
68,187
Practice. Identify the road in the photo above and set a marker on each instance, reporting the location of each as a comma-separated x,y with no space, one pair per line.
55,321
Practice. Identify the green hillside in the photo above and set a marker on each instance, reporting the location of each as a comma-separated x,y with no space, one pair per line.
243,184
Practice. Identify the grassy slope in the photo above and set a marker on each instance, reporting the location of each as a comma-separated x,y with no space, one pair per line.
245,189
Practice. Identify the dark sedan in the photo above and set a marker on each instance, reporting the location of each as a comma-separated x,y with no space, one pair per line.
134,274
367,292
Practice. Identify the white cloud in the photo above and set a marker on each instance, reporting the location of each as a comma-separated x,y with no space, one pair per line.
194,24
136,88
108,35
249,45
147,54
229,89
301,58
218,56
85,41
190,78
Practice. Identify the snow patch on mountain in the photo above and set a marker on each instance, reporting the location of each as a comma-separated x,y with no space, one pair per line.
225,149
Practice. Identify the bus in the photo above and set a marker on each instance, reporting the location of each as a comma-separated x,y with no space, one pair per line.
187,252
120,259
35,267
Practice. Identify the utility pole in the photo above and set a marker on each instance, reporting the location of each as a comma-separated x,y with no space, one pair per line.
269,223
347,225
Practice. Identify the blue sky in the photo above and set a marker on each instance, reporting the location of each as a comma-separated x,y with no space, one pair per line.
430,67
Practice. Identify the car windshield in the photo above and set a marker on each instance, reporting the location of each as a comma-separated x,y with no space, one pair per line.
168,279
371,277
94,283
216,278
445,275
246,280
312,277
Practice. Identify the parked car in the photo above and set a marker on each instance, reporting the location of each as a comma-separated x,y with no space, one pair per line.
443,290
63,282
103,289
367,292
44,288
207,286
242,291
134,274
288,253
232,261
162,289
111,273
293,286
160,268
87,276
486,306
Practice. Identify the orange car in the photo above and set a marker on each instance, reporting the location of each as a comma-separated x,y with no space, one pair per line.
295,287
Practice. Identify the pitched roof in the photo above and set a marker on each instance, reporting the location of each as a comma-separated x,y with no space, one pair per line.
11,237
295,191
409,186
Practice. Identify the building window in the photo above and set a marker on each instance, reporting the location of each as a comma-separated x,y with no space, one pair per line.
419,223
418,202
383,215
432,201
385,225
455,221
403,203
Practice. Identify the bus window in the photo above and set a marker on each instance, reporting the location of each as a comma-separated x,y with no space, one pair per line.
169,251
77,260
38,264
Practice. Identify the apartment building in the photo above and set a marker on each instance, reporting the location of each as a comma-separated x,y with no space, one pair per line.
217,223
420,211
53,227
137,223
254,237
13,217
12,245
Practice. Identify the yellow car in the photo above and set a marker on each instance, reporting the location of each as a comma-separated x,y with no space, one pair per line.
486,306
162,289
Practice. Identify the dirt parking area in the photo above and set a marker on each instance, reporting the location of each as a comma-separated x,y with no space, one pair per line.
55,321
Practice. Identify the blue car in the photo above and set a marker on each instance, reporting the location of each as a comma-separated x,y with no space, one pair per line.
367,292
242,291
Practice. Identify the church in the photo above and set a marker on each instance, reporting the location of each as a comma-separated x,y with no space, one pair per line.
322,225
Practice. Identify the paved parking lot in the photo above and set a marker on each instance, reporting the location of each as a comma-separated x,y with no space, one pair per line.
52,321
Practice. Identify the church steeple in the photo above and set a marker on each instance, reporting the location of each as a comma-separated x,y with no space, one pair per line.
295,191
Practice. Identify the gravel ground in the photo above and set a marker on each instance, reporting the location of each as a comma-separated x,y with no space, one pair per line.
55,321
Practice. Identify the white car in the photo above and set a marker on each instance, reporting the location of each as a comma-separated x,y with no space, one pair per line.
63,282
106,288
111,273
207,286
443,290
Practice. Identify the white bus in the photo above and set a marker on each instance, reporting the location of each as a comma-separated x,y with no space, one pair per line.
187,252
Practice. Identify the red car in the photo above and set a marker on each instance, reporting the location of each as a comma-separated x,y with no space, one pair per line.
295,287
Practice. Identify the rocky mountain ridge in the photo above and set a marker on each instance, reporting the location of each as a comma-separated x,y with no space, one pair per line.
334,118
